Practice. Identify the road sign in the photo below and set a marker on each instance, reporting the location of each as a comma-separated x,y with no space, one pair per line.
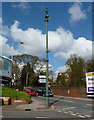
42,80
42,76
90,83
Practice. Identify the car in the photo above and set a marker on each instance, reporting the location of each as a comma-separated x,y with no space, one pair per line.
31,91
42,92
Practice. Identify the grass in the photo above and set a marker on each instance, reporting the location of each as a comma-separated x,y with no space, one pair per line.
12,93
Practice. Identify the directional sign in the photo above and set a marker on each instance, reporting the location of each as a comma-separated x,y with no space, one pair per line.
42,80
42,76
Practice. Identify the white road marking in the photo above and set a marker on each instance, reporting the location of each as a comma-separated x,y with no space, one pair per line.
67,108
81,116
68,101
72,107
70,112
89,104
87,115
41,117
77,113
65,112
73,114
85,106
59,111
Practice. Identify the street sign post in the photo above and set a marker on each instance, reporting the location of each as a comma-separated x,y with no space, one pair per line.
42,80
47,18
42,76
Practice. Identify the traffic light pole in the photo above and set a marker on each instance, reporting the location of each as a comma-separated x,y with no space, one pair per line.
47,17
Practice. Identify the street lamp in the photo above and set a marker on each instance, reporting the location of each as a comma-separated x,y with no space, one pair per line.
47,18
21,42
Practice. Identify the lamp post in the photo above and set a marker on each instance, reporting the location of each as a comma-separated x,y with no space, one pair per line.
47,17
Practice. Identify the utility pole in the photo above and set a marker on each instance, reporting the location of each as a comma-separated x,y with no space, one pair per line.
47,17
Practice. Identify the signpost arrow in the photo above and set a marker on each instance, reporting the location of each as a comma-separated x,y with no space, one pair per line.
42,80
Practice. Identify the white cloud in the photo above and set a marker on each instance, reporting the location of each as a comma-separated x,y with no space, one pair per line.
5,49
81,47
61,42
4,30
22,5
34,40
62,69
60,39
76,12
1,21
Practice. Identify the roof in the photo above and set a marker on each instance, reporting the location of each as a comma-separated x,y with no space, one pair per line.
6,58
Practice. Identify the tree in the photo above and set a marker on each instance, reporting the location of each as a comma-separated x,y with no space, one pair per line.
90,66
27,73
25,58
39,66
76,71
61,80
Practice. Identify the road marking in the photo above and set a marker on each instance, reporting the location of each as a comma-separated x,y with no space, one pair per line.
89,104
67,108
85,106
81,116
77,113
87,115
73,114
67,101
65,112
70,112
59,111
41,117
73,107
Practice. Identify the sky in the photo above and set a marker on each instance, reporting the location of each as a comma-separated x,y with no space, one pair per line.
69,30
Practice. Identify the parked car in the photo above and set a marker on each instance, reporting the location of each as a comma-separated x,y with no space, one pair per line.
31,91
42,92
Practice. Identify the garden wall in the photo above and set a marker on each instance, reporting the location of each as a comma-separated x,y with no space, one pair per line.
70,92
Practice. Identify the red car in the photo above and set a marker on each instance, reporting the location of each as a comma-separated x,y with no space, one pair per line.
31,91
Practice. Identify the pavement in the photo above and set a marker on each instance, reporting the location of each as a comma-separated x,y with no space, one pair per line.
87,99
36,105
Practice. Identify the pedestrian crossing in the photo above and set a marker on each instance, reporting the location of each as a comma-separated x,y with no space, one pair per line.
72,113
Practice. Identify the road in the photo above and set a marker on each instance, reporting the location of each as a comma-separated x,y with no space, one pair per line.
65,108
79,108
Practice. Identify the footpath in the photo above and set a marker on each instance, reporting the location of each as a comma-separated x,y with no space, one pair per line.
36,105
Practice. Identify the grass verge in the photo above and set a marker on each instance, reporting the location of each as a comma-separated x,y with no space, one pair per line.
12,93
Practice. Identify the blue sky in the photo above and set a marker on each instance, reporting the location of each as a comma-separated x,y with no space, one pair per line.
70,30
